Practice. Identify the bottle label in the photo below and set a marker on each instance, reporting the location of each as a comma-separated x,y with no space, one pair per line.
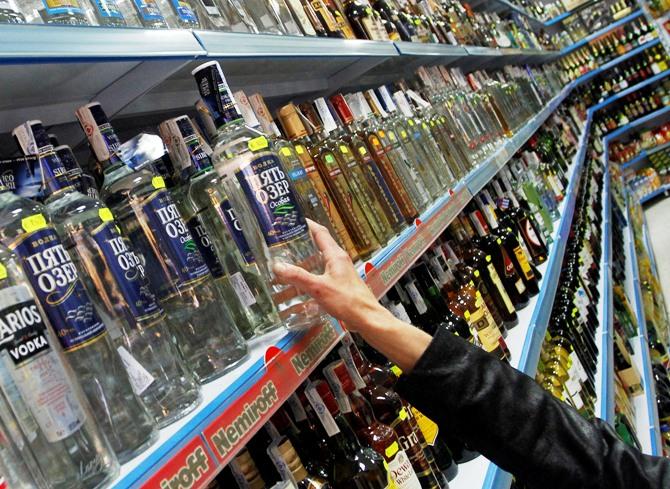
321,411
272,200
54,278
99,131
523,262
205,246
108,9
495,278
530,234
126,270
184,11
428,427
140,378
181,259
410,444
399,311
149,11
242,289
416,297
36,370
299,413
235,229
57,7
484,327
400,468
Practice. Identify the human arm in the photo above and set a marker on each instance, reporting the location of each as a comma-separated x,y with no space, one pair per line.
492,407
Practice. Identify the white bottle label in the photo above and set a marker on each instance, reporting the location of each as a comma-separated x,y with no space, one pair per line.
299,413
399,311
242,289
418,301
346,356
321,410
140,378
402,473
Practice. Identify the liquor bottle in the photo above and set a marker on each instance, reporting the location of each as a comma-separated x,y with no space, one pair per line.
114,13
245,472
11,14
262,195
82,333
207,339
380,437
41,406
101,136
369,167
327,19
114,279
353,465
150,14
297,133
182,13
290,467
368,192
83,182
206,204
74,12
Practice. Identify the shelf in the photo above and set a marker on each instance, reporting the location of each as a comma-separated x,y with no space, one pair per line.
388,265
663,189
644,154
611,64
629,90
525,340
601,32
277,364
560,18
638,122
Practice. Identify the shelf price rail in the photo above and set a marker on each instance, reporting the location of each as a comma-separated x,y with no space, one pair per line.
601,32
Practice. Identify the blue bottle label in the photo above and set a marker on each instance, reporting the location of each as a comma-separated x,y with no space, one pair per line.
54,278
179,253
205,246
108,9
57,7
297,174
184,11
235,229
272,200
127,272
149,11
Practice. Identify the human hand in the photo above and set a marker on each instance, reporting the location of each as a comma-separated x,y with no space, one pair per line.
340,291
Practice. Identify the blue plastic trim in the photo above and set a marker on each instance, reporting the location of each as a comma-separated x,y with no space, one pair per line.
604,30
637,122
651,195
630,54
630,90
634,161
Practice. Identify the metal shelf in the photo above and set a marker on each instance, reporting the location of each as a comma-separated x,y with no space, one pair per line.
642,121
629,90
277,364
651,195
643,155
601,32
560,18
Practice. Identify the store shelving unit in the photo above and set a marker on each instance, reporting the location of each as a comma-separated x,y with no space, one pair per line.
583,42
644,154
641,122
623,93
663,189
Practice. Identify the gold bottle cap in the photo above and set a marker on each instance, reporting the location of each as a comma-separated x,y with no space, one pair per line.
292,460
291,122
249,470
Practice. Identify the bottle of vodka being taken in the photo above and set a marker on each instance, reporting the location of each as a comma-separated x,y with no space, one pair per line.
82,333
205,333
242,283
47,432
114,278
263,196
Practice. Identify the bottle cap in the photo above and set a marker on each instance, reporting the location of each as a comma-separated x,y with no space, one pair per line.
292,459
263,114
216,94
340,370
291,122
184,145
342,108
245,471
244,104
101,136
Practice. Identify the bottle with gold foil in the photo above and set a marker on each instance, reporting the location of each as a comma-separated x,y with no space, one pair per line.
295,130
289,466
342,156
367,163
245,472
365,125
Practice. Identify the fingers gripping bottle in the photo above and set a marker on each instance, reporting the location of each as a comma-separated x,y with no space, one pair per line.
81,331
261,192
145,211
47,432
114,278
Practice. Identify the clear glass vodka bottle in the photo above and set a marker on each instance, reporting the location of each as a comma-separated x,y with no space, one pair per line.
47,431
145,211
66,12
263,196
206,200
114,13
10,13
115,281
180,13
150,14
120,414
237,17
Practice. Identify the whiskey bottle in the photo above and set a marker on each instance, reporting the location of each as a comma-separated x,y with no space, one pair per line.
262,195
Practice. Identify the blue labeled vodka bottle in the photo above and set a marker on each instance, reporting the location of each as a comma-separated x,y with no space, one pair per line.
145,211
207,202
114,278
10,13
262,195
115,13
47,432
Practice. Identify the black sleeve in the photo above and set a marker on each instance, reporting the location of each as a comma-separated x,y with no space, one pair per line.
510,419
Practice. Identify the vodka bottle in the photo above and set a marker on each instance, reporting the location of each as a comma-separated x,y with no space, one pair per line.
82,333
263,196
65,12
145,211
10,13
150,14
180,13
47,432
242,283
114,278
114,13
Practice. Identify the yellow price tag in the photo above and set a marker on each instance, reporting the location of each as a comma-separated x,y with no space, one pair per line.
466,315
476,273
105,214
403,133
158,182
392,136
498,241
344,149
396,370
402,415
392,450
256,144
382,134
488,258
33,223
3,272
362,150
285,151
410,122
424,125
299,149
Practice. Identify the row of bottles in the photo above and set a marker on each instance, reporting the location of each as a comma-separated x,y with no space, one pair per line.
612,45
447,21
